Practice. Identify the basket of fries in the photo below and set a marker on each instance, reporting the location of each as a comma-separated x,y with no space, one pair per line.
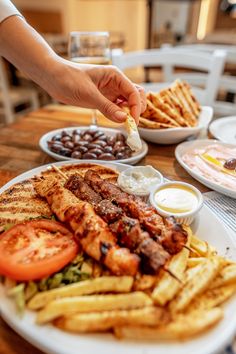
173,114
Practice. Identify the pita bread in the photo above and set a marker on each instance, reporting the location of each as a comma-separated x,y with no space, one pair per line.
162,104
186,111
21,202
155,114
146,123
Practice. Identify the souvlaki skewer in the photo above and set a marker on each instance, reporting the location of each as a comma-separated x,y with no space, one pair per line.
93,233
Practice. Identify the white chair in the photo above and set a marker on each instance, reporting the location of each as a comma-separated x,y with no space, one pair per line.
213,64
11,97
227,82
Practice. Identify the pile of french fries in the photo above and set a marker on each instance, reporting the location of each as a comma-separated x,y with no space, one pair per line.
173,107
159,307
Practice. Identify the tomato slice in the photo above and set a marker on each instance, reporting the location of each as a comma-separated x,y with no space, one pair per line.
36,249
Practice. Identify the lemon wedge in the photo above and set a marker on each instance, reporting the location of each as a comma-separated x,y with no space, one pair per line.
216,163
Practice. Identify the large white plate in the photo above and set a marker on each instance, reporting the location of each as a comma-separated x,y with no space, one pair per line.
135,158
53,341
189,145
175,135
224,129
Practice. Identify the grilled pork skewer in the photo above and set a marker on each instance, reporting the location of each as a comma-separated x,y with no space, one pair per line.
93,233
167,231
103,207
128,230
132,206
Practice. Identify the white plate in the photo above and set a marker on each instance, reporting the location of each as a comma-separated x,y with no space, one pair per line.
175,135
224,129
135,158
53,341
197,144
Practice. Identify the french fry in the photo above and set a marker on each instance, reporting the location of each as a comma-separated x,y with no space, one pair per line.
212,298
168,286
196,285
92,303
191,272
226,276
103,321
183,326
200,246
194,261
144,282
98,285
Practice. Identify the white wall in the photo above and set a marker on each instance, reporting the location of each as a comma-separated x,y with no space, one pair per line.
127,16
175,12
61,5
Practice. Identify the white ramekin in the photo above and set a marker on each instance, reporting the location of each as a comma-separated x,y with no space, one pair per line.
183,218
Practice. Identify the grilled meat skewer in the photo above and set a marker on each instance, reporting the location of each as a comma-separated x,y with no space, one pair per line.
93,233
132,206
103,207
152,254
167,231
128,230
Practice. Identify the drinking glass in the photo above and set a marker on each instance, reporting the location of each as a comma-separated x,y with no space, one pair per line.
90,48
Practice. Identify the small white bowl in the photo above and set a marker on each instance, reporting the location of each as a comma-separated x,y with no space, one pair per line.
183,218
143,170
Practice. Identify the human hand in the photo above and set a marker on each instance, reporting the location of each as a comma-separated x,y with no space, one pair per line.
98,87
89,86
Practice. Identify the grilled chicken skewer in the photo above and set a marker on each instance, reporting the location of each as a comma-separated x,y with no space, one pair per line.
128,230
93,233
167,231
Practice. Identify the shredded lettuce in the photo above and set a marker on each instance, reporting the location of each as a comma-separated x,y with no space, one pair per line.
79,269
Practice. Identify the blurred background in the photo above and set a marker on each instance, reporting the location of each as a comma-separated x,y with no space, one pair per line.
133,25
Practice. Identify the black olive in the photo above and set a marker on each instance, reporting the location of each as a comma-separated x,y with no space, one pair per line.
230,164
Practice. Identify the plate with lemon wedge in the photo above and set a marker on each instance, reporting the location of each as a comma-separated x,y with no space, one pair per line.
211,162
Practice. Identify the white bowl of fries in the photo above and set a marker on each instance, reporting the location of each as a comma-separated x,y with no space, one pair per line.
173,114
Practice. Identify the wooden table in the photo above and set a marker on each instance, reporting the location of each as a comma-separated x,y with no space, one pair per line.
19,152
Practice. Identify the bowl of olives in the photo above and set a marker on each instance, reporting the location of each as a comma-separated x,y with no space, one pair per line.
88,143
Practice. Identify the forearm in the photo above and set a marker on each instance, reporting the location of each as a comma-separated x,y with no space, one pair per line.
26,49
82,85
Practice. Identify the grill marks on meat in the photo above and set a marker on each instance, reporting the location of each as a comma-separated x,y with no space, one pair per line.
105,208
77,186
93,233
108,211
132,206
167,231
128,230
173,237
152,254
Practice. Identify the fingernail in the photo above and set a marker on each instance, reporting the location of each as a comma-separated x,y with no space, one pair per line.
120,115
